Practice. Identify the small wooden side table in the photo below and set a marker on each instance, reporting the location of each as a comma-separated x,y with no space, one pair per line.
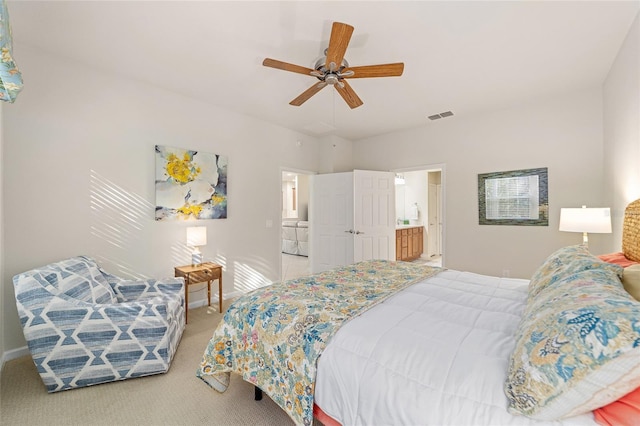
193,274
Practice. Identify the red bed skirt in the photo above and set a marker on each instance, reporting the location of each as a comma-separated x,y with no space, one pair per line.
323,417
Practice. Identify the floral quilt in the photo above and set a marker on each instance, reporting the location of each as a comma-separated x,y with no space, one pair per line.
273,336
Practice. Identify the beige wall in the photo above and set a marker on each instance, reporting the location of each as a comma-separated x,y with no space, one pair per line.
303,197
622,129
563,134
337,155
76,135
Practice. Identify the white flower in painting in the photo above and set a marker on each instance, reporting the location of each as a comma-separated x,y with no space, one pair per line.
170,195
208,168
199,191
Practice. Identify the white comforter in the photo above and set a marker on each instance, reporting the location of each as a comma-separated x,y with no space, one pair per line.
434,354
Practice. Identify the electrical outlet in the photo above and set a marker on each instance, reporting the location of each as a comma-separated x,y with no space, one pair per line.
506,273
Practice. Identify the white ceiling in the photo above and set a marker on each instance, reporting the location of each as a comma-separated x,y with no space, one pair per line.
460,56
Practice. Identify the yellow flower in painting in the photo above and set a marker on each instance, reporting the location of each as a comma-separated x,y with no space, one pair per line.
299,388
219,346
183,169
189,209
217,199
219,359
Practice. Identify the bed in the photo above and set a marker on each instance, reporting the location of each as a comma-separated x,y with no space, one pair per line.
384,342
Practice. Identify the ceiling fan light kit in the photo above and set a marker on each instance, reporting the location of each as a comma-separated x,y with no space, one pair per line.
330,73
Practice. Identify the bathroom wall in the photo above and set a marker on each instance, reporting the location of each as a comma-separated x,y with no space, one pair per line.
413,192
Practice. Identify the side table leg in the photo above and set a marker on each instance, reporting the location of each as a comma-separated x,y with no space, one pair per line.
186,299
209,292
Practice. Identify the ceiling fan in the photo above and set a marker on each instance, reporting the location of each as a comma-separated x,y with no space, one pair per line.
333,69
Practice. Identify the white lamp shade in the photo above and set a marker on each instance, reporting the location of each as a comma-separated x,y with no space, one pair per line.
197,236
593,220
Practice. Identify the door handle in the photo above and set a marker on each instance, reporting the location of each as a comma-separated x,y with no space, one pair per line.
358,232
350,231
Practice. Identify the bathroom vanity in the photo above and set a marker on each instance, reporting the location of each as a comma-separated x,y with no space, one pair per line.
409,242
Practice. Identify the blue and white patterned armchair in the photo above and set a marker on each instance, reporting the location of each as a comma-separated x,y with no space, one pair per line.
84,326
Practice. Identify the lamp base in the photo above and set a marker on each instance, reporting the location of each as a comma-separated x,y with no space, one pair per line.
196,257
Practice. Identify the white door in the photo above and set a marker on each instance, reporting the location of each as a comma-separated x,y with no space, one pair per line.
353,218
331,218
374,215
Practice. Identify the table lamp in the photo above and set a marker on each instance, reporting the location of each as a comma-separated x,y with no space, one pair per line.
594,219
196,237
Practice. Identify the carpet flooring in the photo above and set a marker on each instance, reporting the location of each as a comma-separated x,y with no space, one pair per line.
175,398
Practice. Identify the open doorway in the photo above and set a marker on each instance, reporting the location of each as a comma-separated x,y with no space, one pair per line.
294,246
419,203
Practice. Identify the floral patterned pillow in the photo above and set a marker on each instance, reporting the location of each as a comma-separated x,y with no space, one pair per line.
564,261
577,347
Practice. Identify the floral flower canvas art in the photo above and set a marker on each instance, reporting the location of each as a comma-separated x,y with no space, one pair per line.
190,184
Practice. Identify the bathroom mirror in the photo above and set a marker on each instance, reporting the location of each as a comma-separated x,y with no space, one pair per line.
517,197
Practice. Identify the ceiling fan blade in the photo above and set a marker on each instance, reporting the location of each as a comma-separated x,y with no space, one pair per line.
273,63
338,42
382,70
304,96
349,95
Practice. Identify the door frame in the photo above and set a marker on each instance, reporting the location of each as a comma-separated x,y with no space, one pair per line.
279,246
441,167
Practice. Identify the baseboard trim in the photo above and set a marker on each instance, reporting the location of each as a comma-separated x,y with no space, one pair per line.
14,353
214,299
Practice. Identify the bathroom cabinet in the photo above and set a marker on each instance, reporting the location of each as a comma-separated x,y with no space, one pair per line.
409,243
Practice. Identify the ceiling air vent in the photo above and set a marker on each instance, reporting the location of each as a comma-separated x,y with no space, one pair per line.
441,115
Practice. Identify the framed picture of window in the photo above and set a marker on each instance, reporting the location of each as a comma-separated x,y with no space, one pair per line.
517,197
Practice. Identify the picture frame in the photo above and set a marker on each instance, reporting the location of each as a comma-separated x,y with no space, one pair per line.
515,198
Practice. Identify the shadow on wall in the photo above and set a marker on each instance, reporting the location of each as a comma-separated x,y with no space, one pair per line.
121,223
248,278
118,221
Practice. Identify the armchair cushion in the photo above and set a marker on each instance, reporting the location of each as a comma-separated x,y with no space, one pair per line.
85,327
